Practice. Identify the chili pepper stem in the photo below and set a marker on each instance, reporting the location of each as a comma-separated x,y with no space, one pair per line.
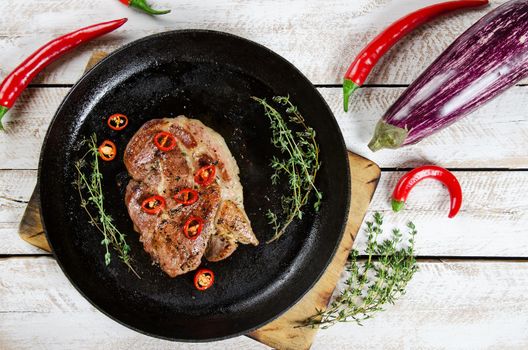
348,89
143,6
3,111
397,205
387,136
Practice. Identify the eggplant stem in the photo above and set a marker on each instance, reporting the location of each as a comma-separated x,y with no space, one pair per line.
387,136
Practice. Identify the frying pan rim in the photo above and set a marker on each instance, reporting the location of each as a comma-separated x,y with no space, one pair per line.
332,120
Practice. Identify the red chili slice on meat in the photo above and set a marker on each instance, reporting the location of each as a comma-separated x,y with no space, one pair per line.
193,227
107,150
165,141
153,205
117,121
205,175
187,196
203,279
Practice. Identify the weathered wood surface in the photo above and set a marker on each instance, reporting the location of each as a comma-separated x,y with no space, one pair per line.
39,309
31,229
493,220
319,37
449,305
492,137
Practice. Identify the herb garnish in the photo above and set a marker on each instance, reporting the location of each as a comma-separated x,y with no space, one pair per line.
300,165
90,184
374,283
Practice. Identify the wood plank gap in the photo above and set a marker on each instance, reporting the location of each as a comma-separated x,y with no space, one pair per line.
390,86
22,256
13,169
483,260
320,86
48,86
328,86
473,258
464,169
419,259
14,200
389,169
441,258
374,86
19,169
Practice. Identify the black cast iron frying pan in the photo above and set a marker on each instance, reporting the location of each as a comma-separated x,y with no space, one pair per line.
210,76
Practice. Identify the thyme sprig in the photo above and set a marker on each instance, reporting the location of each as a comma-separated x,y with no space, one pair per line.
300,164
90,184
375,282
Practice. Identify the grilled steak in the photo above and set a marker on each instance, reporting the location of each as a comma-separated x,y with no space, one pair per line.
165,173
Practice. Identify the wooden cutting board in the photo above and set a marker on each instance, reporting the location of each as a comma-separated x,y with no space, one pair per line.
281,333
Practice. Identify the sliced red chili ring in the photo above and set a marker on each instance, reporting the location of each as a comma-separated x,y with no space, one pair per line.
153,205
193,227
205,175
107,150
187,196
203,279
117,121
165,141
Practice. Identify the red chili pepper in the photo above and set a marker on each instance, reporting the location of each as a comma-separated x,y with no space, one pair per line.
205,175
187,196
365,61
143,6
193,227
153,205
13,85
203,279
165,141
409,180
117,121
107,150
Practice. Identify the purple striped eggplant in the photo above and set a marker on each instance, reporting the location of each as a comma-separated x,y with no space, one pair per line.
488,58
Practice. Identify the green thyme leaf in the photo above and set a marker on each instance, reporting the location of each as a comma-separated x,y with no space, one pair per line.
371,284
91,194
299,165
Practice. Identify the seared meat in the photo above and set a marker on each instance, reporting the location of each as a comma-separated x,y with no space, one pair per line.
220,204
232,226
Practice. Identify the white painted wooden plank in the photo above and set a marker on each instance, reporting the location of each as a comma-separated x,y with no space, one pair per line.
10,241
494,136
320,38
449,305
16,188
26,125
493,220
40,309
